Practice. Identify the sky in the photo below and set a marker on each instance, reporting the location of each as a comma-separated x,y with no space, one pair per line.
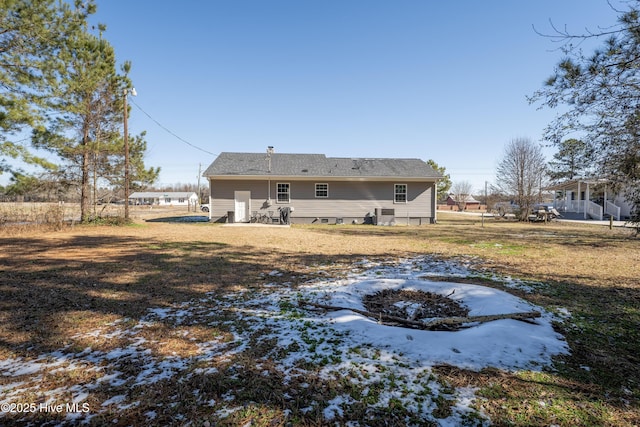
440,80
340,344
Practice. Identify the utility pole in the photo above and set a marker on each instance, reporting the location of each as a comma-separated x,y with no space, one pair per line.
485,196
199,191
486,205
126,161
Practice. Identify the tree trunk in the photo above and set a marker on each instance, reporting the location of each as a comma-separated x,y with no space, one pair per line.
456,322
85,190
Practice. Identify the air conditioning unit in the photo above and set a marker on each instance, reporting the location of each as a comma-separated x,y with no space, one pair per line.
385,216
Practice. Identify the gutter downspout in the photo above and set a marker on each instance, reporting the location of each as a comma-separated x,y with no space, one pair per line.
434,201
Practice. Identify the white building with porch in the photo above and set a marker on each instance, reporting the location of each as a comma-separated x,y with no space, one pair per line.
590,199
164,198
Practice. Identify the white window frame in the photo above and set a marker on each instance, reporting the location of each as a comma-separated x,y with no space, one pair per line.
396,193
326,189
287,193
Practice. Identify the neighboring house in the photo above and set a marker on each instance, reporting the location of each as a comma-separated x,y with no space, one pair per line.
468,203
164,198
590,199
321,189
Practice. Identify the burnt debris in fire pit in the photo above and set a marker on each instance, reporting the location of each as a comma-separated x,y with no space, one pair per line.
420,310
414,305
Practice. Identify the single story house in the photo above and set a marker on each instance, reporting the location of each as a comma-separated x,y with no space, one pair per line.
467,202
320,189
164,198
590,199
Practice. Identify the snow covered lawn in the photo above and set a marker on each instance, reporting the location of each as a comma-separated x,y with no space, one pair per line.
237,356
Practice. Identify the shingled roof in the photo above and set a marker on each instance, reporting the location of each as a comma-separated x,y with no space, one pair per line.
316,165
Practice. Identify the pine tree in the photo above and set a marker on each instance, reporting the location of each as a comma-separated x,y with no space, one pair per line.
32,35
86,94
444,184
140,176
574,159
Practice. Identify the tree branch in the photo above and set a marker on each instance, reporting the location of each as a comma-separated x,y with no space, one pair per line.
456,322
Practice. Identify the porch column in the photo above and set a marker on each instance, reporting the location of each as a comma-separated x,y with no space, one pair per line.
579,195
586,198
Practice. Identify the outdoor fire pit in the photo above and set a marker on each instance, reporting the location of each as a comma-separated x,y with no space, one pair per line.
414,305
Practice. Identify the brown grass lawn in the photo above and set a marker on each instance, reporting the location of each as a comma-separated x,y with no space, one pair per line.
58,287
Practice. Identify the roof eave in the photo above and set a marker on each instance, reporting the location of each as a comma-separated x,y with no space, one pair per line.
323,178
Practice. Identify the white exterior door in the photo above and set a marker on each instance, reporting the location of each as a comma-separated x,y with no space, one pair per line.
243,206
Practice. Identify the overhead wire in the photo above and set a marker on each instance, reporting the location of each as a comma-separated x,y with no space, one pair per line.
169,131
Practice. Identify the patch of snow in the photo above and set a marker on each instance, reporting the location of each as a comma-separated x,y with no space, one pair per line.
161,313
504,344
80,397
18,367
334,407
115,400
464,397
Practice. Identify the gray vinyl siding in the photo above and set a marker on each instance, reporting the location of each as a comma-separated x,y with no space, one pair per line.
348,200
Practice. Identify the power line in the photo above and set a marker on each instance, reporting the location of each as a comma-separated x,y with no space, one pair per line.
18,141
170,132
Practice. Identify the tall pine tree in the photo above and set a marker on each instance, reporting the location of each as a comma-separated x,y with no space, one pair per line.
574,159
86,96
32,35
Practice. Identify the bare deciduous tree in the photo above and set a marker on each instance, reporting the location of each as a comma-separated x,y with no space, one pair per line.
461,193
522,173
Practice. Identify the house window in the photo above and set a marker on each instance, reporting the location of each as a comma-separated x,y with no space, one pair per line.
322,190
181,200
167,199
283,192
400,193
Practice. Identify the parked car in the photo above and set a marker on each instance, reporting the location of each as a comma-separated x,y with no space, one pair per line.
504,208
204,208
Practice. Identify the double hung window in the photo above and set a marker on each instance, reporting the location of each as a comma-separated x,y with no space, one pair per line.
400,193
322,190
283,192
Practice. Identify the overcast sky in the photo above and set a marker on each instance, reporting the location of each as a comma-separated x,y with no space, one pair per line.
441,80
